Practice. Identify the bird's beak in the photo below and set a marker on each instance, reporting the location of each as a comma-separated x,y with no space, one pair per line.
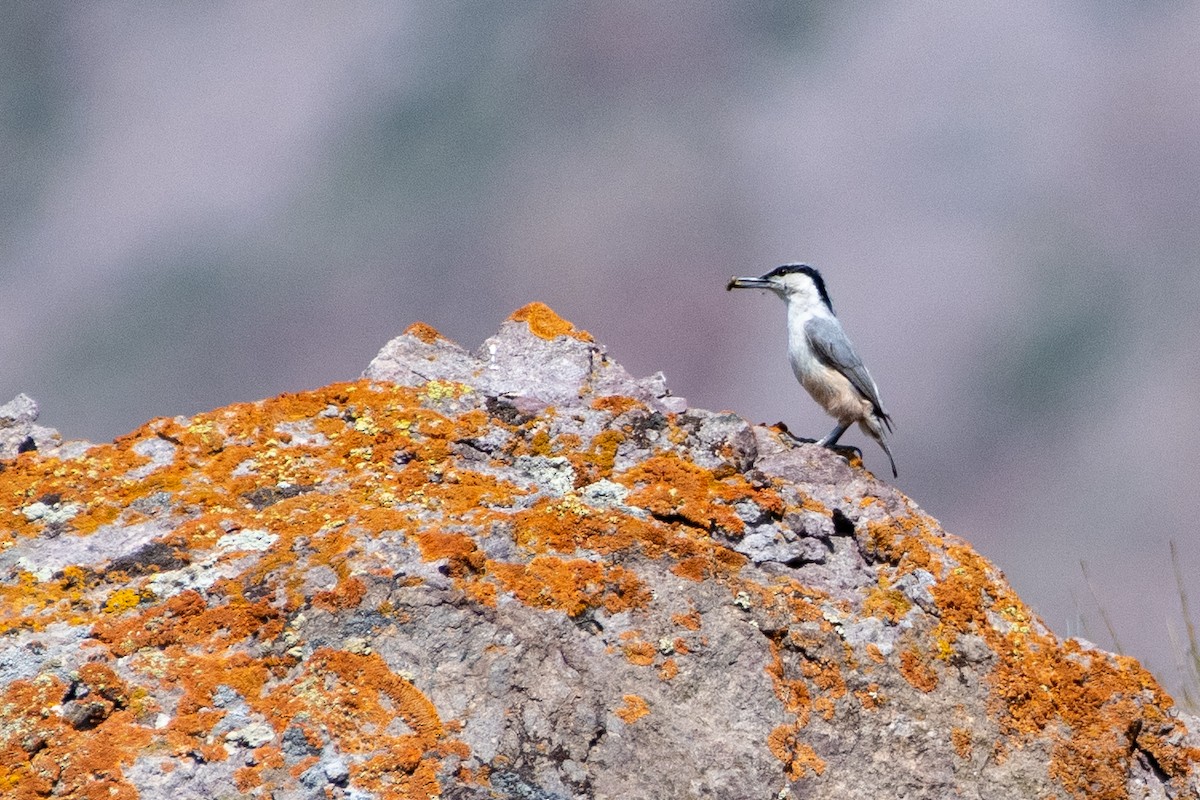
748,283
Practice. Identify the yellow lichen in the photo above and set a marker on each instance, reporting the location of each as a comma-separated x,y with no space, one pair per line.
885,602
121,600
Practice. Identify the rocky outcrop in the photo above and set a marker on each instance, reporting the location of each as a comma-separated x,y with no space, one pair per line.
522,573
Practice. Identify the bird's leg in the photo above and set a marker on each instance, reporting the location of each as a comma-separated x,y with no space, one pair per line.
834,435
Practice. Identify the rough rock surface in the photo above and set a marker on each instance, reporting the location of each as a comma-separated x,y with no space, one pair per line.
18,433
525,574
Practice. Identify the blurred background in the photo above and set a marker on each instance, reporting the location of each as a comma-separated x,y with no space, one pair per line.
209,203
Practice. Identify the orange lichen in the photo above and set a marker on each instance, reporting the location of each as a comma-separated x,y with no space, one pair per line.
186,618
567,526
870,698
963,596
807,676
918,673
691,620
462,555
33,604
668,670
791,598
42,754
634,709
826,675
640,653
1096,709
596,461
798,758
904,542
199,676
246,778
669,487
792,692
346,595
825,707
1101,699
571,586
961,740
356,698
466,492
426,333
545,323
616,404
695,568
482,593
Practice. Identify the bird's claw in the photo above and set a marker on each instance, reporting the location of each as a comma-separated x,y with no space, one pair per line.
838,448
783,428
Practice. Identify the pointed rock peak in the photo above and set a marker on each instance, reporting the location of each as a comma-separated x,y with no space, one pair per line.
426,333
545,323
18,433
536,355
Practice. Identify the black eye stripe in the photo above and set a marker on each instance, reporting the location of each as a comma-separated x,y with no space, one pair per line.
811,272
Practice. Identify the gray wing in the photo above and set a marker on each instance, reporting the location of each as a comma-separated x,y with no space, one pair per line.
834,349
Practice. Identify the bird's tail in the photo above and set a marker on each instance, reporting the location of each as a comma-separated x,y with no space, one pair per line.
888,450
872,427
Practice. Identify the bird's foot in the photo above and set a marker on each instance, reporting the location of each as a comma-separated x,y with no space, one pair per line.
844,449
783,428
852,455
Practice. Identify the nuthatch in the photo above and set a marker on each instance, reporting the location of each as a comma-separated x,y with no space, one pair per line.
822,356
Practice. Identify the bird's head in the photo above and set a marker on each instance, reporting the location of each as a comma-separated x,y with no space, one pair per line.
793,282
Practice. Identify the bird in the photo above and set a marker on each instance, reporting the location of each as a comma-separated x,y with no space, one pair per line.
822,356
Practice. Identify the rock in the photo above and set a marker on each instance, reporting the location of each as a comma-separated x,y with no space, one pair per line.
18,433
537,360
523,573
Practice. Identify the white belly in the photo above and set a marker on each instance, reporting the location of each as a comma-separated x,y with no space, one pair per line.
831,389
